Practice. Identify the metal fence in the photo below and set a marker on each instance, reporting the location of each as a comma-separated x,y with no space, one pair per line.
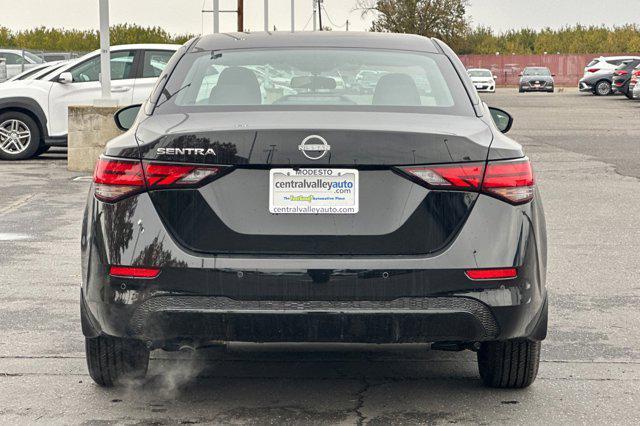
568,69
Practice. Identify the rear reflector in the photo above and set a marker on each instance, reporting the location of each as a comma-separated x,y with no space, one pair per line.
510,180
115,179
491,274
133,272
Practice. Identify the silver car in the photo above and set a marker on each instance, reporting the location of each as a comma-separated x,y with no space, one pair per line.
18,61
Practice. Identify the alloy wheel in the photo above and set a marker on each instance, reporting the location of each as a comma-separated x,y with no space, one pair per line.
15,136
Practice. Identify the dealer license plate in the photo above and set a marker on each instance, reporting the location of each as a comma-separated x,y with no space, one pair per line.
313,191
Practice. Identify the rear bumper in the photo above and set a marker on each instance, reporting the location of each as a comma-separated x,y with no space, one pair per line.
585,86
386,299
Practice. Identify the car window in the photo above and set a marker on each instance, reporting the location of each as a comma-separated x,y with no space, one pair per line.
614,62
34,59
12,58
537,71
480,73
593,62
327,78
155,62
121,66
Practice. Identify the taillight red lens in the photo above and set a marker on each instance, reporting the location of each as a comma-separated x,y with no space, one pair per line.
510,180
133,272
162,175
491,274
115,179
461,176
593,69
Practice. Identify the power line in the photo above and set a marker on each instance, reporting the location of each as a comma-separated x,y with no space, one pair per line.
308,20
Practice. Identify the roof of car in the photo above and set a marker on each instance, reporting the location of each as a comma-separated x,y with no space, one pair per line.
607,58
148,46
353,39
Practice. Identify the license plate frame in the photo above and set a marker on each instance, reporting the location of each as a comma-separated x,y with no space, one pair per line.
326,191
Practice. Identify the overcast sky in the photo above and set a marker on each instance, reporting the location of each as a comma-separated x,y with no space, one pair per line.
184,16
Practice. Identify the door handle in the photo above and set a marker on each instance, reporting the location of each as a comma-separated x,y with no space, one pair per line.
120,89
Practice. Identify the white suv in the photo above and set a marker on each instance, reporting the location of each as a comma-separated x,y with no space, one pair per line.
598,74
33,113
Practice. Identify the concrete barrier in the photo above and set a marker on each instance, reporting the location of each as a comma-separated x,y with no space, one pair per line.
90,128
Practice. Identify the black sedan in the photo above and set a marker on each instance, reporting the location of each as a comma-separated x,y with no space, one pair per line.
536,79
237,210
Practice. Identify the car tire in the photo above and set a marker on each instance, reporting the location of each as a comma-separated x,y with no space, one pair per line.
509,364
17,124
602,88
629,94
520,91
112,360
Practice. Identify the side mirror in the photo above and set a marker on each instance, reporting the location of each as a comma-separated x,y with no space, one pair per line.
553,75
520,75
495,77
503,119
126,116
65,78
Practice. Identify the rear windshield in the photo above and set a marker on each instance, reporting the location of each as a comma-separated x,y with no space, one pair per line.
479,73
536,71
325,78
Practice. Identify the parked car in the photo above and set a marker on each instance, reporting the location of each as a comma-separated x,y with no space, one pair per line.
536,79
598,74
392,217
483,79
18,61
37,108
633,82
38,69
636,90
622,77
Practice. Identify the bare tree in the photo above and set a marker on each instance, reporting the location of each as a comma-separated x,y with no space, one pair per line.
444,19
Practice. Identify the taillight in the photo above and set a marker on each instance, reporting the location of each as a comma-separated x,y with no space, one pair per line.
491,274
133,272
593,69
461,176
620,72
510,180
116,179
162,175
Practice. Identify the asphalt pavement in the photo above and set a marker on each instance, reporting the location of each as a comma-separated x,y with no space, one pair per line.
586,154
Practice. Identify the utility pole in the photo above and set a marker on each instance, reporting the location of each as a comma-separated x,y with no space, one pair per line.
293,16
313,2
240,16
347,24
266,15
216,16
320,13
105,52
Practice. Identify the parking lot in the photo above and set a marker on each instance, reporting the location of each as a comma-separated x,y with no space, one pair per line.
586,154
